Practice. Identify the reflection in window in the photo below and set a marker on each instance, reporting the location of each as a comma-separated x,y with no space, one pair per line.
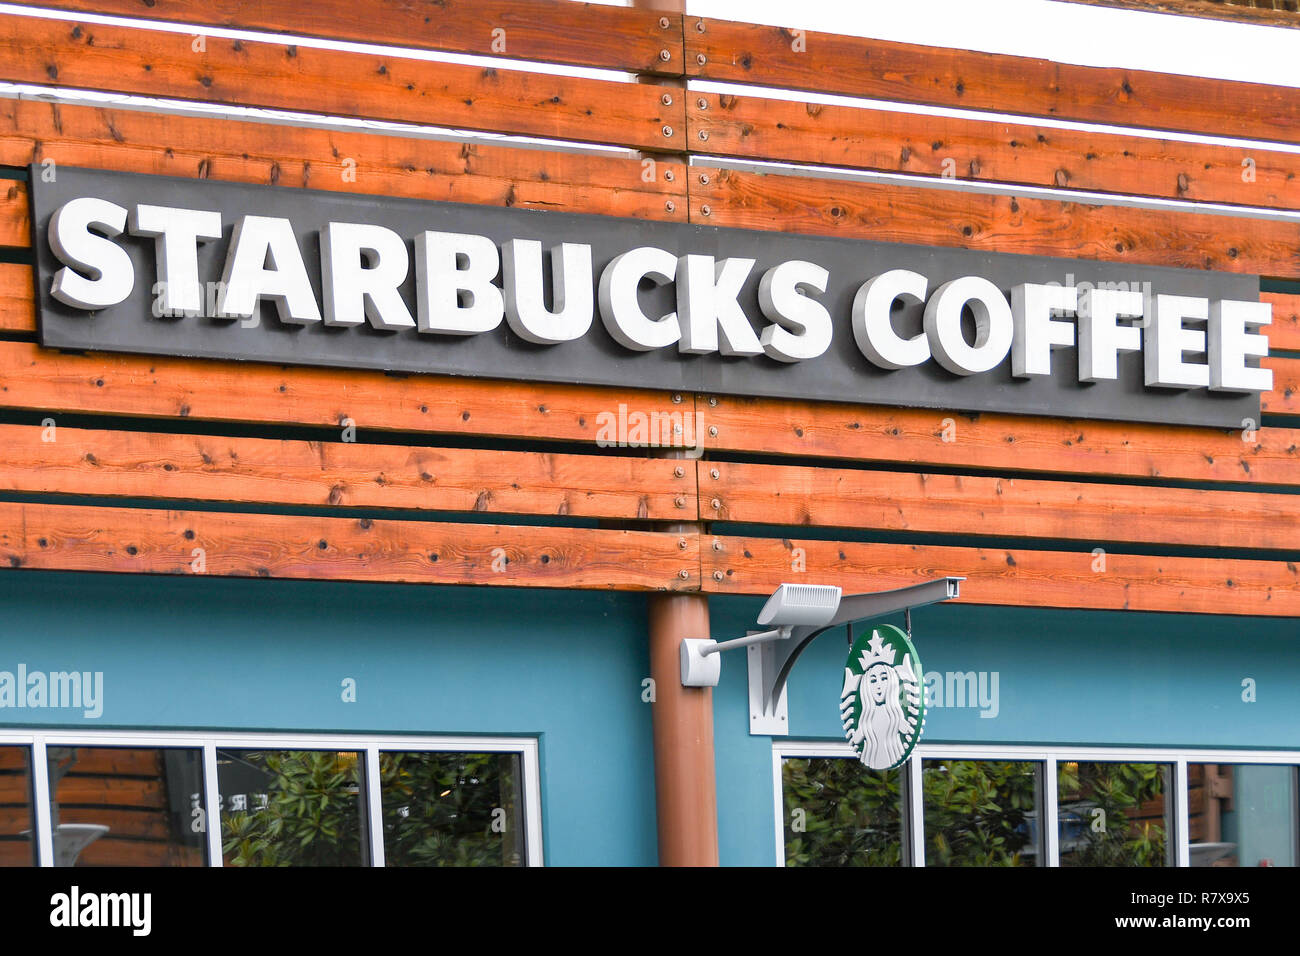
452,809
126,806
840,813
17,848
1241,815
1114,814
981,812
291,808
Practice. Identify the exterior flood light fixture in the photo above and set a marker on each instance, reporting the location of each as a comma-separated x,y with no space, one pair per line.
795,615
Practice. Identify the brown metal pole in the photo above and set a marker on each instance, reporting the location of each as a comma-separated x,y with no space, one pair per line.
685,784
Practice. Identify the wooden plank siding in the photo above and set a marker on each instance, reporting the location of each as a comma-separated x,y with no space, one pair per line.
47,381
367,85
76,461
998,507
766,129
278,155
1284,333
251,392
1025,86
1023,578
923,215
556,31
167,467
84,538
870,433
1284,399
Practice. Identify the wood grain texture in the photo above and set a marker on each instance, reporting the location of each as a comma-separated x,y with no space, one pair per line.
974,150
132,540
1004,443
343,161
75,461
368,85
995,223
17,298
1210,9
47,380
1018,578
1285,397
582,34
1284,333
15,215
1001,507
1025,86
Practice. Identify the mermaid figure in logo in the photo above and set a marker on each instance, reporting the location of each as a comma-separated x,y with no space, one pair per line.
882,724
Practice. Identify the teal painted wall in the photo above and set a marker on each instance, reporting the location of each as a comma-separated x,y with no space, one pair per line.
233,654
1064,677
220,653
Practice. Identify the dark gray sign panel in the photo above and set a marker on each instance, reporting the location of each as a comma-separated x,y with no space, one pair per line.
841,373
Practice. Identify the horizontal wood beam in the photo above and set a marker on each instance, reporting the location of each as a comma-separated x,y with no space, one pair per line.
1285,397
557,31
933,216
1020,578
1284,333
1000,507
201,147
752,127
76,461
81,538
17,298
49,381
368,85
935,438
967,79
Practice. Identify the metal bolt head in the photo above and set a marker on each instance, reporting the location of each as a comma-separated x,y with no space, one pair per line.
670,205
668,131
699,26
683,574
701,59
704,179
702,103
704,134
717,575
663,23
715,474
679,471
681,543
705,210
713,431
677,398
713,400
669,175
679,501
716,504
665,55
717,545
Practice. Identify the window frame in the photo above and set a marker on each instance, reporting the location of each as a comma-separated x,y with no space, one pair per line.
368,746
1047,757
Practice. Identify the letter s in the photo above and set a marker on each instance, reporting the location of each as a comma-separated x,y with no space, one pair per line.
76,246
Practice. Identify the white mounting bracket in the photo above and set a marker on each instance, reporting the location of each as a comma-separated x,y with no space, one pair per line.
770,662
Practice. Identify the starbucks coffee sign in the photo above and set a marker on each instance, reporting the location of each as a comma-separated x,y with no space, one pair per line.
159,265
882,705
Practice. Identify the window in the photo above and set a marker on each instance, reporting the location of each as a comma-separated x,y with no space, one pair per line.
16,823
118,799
958,805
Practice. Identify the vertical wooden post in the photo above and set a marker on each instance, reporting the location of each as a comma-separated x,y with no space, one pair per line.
686,794
685,783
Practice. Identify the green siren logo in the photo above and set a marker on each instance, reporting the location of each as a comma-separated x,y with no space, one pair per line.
882,704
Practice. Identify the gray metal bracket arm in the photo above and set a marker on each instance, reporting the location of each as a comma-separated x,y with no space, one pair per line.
770,661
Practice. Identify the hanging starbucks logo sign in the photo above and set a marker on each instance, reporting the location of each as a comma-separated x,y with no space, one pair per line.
882,704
